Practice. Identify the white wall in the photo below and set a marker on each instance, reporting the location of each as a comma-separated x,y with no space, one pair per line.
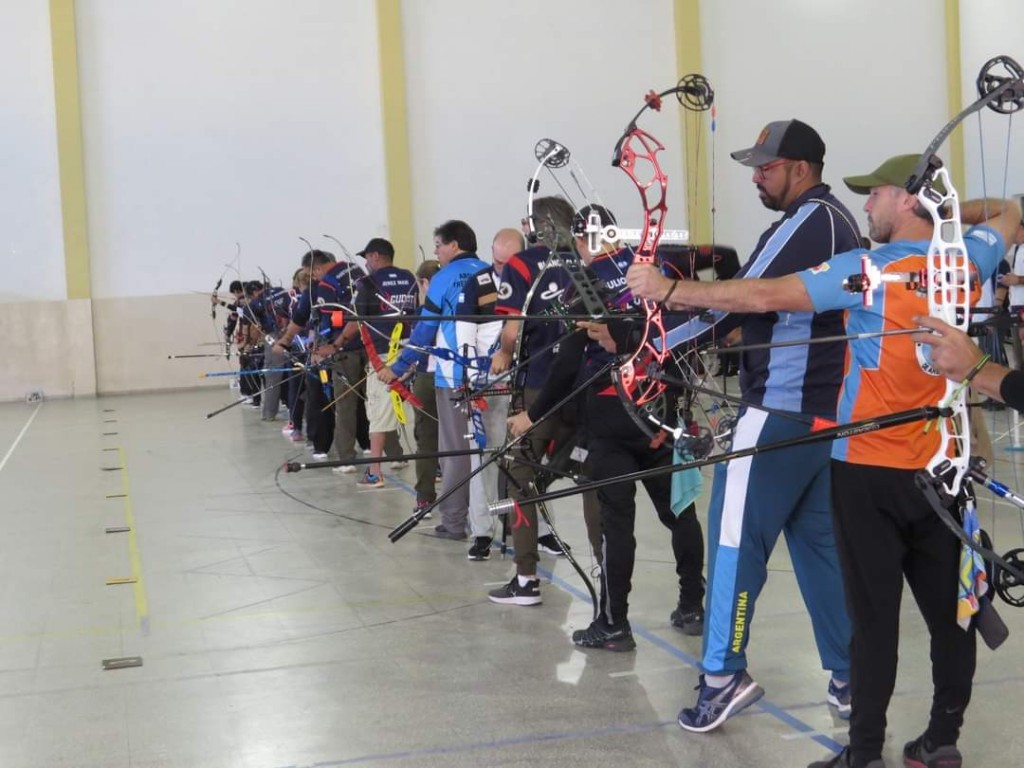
990,28
31,239
856,70
208,122
486,80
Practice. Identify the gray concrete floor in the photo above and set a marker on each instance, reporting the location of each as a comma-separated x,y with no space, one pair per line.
275,635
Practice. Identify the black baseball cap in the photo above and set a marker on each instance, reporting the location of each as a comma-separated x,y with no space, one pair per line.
378,245
783,140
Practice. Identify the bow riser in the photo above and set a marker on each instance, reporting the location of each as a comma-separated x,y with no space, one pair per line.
949,300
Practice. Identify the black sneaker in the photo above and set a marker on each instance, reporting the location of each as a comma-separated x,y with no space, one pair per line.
688,621
550,545
481,549
918,754
514,594
843,760
600,635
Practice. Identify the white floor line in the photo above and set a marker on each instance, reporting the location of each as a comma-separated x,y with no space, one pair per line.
3,462
639,672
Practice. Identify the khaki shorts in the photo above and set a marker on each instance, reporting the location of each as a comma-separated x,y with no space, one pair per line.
379,410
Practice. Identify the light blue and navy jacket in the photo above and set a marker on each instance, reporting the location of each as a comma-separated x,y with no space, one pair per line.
803,378
445,297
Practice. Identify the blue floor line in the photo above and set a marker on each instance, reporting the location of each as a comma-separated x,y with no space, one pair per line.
494,744
774,710
766,706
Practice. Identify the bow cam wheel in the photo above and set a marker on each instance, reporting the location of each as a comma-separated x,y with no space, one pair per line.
551,153
694,92
1008,587
989,80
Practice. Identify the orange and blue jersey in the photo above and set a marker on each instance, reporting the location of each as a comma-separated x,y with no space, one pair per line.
887,374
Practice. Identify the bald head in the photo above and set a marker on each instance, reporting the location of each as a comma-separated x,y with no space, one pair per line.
506,244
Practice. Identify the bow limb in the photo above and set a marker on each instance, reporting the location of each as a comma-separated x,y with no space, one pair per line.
1001,93
394,346
378,365
948,270
567,552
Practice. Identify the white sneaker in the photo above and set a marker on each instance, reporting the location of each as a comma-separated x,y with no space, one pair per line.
319,456
346,469
287,429
398,465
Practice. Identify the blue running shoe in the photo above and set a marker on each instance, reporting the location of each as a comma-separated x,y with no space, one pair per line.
370,480
716,705
839,697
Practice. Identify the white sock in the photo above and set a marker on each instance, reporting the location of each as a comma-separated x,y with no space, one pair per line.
717,681
524,580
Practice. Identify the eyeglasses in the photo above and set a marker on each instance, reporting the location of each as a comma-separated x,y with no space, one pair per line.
761,171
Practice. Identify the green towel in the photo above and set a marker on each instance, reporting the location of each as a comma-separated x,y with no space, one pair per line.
687,484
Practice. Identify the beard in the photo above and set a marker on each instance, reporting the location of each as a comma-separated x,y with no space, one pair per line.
878,231
772,203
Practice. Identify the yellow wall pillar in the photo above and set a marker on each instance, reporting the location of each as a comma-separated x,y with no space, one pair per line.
70,154
954,94
396,133
698,149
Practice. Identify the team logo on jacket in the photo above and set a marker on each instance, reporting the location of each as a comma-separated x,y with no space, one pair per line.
924,359
983,234
553,291
823,267
505,291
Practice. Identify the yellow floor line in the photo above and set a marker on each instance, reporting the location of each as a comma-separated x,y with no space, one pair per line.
141,603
